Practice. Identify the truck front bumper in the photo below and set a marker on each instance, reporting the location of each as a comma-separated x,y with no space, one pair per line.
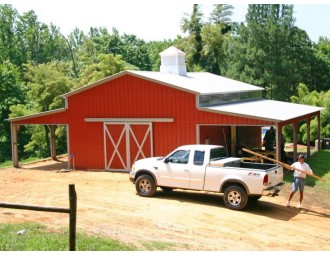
273,191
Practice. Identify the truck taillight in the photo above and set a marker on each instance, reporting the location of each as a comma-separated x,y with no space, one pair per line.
266,180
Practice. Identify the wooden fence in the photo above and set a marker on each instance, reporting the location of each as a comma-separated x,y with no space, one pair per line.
72,211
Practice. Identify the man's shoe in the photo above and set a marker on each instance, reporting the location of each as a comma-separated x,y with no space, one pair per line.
299,206
288,204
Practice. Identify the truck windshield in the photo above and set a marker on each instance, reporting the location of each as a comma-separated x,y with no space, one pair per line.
218,153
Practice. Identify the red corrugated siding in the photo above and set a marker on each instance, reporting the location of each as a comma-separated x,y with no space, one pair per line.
132,97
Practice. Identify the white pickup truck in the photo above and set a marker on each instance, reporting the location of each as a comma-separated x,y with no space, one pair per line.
207,168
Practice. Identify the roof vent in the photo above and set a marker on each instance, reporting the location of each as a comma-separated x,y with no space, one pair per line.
173,61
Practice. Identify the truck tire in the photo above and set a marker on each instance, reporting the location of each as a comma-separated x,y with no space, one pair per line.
145,186
235,197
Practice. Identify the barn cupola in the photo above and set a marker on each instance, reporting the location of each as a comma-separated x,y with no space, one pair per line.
173,61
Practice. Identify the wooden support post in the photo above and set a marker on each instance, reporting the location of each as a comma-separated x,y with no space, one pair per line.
278,142
73,217
295,140
318,131
14,144
52,141
233,137
308,137
72,211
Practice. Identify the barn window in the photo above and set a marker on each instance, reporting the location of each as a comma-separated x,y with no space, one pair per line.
229,98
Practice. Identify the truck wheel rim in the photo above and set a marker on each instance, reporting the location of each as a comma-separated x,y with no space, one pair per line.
234,198
144,186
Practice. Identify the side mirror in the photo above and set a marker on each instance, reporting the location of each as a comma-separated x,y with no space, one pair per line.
166,160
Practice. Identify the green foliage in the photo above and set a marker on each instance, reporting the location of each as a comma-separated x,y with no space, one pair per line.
314,98
269,51
105,65
46,83
37,238
204,44
11,93
193,43
321,66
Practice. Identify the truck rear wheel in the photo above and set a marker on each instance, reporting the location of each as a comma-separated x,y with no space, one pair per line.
235,197
145,186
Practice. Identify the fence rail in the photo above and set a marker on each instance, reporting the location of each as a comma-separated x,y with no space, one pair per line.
72,211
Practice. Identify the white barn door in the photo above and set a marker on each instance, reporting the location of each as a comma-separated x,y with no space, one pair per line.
125,143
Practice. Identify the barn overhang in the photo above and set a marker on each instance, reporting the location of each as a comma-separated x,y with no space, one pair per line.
268,110
277,112
29,119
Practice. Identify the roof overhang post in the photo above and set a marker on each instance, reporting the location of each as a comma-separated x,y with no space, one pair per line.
308,123
295,139
14,144
52,135
278,141
318,131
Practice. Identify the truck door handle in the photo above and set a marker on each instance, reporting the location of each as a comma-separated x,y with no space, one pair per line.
156,168
186,170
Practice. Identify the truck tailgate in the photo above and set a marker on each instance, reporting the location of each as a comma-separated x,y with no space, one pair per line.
275,175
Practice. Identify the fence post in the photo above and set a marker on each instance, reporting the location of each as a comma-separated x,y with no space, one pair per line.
73,217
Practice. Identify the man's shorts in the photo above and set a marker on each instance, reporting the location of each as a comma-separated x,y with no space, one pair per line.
298,183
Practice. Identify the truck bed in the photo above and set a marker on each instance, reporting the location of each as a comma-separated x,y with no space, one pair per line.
259,166
237,163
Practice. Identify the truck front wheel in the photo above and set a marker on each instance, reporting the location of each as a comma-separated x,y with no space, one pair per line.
235,197
145,186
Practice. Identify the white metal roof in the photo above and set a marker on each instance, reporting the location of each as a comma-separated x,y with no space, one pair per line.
199,82
270,110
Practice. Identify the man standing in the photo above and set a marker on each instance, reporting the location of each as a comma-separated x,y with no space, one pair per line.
299,178
269,139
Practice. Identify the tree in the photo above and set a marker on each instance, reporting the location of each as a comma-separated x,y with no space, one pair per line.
135,52
104,66
214,34
8,39
11,93
45,85
320,99
193,44
320,66
270,51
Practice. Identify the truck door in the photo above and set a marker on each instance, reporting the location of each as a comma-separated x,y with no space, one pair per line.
197,170
175,170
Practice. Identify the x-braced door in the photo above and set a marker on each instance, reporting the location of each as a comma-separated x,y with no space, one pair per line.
126,143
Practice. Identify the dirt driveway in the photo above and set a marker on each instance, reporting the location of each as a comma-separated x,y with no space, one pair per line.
108,205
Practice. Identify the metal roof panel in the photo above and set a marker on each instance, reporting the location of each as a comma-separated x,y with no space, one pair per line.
199,82
269,110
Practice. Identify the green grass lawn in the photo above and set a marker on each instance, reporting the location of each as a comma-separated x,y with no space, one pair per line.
37,238
9,163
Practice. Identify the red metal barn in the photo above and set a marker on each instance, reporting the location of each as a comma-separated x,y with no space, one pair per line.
137,114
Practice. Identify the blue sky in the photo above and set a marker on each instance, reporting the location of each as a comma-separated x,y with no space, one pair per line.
156,20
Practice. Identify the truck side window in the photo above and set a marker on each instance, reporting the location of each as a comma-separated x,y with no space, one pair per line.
199,158
180,157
